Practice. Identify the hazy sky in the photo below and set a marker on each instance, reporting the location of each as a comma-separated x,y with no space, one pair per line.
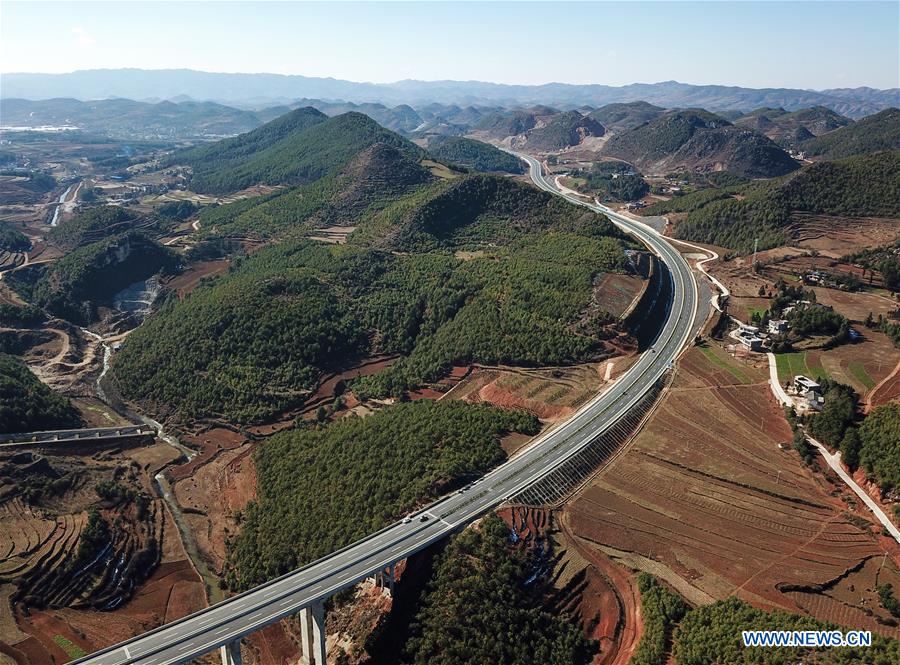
758,44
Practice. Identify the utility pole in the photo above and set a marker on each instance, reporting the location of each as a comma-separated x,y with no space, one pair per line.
755,247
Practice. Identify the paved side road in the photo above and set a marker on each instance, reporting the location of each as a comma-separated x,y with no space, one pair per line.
834,461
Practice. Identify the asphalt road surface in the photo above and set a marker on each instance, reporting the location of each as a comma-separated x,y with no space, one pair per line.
238,616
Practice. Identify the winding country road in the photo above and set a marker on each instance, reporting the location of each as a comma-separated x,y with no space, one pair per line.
238,616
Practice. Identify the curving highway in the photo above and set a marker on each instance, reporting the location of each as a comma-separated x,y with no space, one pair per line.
238,616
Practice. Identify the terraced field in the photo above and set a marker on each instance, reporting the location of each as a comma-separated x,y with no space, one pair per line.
713,505
29,540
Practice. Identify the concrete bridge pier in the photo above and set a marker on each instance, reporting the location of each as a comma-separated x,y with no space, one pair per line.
385,578
312,634
231,653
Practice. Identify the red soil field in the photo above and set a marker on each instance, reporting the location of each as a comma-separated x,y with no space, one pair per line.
704,498
187,281
172,591
213,494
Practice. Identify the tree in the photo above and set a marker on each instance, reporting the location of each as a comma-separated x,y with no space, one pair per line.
803,446
850,446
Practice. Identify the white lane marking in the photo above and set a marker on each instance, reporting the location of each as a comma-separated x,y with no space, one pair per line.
127,652
435,517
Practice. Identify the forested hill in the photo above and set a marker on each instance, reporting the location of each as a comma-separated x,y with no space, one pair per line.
501,124
295,149
694,139
476,211
370,181
860,186
369,471
475,155
873,134
792,129
27,405
297,309
624,116
229,152
562,130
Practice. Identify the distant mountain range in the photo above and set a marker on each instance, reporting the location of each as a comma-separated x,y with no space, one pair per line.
260,90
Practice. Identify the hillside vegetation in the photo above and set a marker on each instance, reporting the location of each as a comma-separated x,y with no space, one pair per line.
506,123
101,222
856,187
371,181
323,488
879,446
229,152
73,286
711,634
253,343
624,116
13,240
562,130
474,212
27,405
694,139
476,155
301,148
661,610
793,128
483,605
872,134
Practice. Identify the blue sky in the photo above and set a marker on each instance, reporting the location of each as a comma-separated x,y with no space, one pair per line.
757,44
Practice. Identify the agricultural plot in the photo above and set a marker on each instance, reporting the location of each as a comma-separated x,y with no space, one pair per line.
836,236
52,588
706,499
803,363
551,394
855,305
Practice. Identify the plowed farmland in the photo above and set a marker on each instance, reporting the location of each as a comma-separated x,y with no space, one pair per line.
706,499
56,602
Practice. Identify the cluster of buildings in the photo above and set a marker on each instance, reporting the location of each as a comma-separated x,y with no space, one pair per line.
810,391
822,278
754,339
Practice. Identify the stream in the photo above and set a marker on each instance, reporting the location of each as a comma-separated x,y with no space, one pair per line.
160,482
62,198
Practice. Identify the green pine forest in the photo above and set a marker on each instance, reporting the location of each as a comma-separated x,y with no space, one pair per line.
254,343
27,405
860,186
479,607
321,488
